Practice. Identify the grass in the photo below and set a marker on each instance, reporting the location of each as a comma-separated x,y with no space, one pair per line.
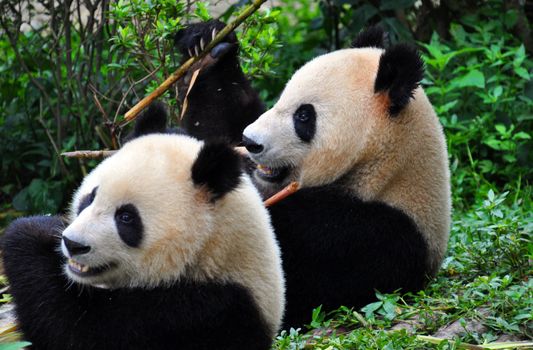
482,295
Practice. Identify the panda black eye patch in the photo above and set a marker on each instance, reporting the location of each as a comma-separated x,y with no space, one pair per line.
129,225
87,200
304,120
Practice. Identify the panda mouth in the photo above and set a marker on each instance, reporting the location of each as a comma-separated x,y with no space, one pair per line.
82,270
272,174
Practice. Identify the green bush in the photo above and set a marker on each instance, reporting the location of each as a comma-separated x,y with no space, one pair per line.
478,82
69,92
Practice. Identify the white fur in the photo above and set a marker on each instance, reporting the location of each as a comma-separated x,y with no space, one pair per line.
400,160
185,235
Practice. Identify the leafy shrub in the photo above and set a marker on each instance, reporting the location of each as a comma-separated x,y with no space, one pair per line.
71,79
478,83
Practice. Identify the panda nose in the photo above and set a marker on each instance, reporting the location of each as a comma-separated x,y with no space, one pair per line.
251,146
75,248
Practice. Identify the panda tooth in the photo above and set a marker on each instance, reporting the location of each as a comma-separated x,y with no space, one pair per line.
84,268
264,169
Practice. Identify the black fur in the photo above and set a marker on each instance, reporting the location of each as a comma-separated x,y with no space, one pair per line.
87,200
305,122
55,314
400,71
222,102
337,250
152,120
129,225
218,168
373,36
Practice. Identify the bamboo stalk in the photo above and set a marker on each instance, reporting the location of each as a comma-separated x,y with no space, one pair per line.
281,195
96,154
88,154
132,113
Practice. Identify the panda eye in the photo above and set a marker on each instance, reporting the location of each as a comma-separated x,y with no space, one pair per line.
129,225
304,113
126,217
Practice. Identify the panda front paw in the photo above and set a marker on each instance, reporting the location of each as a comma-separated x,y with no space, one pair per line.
43,229
31,239
193,40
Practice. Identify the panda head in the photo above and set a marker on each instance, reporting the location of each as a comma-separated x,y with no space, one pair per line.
330,112
140,217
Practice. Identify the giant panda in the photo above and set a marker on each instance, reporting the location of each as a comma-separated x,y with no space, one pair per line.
357,132
167,245
221,102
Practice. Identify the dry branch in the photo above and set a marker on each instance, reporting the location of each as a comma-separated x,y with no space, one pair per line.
132,113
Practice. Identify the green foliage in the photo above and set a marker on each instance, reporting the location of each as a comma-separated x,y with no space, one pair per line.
142,44
478,82
68,92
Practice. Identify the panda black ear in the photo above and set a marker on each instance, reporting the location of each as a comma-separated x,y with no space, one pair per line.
153,120
373,36
400,71
217,168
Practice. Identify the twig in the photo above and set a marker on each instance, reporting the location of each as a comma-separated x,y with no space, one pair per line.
284,193
100,108
132,113
132,85
89,154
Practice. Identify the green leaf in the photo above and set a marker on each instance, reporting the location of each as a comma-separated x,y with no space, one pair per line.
493,143
498,90
491,195
370,308
500,128
390,310
202,11
521,135
520,56
473,78
522,72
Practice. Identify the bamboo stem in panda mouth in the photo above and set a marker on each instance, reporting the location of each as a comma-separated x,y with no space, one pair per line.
281,195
